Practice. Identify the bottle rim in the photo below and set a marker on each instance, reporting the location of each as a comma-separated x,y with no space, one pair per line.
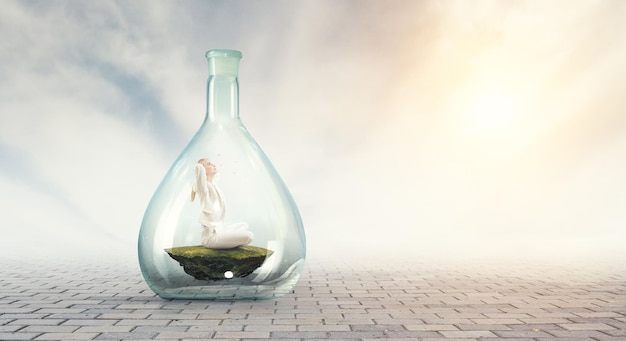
223,53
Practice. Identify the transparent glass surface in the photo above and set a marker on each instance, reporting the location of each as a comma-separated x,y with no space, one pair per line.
175,257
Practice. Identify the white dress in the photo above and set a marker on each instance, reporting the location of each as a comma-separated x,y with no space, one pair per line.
215,234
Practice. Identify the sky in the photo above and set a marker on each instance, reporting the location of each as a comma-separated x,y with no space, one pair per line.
422,129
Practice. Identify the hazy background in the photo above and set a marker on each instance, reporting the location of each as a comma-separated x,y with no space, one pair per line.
419,128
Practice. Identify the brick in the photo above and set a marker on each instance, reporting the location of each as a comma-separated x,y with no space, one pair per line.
270,328
184,335
42,322
242,335
572,334
124,316
497,321
135,322
467,333
217,328
105,329
18,336
316,321
125,336
544,320
529,334
323,327
50,329
586,326
10,328
377,327
430,327
66,336
298,335
89,322
490,327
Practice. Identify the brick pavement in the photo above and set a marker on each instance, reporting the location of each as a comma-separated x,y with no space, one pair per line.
64,300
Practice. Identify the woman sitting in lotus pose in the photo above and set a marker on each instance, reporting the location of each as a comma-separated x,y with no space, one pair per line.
215,235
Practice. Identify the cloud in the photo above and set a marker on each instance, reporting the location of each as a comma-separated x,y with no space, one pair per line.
420,179
75,133
362,109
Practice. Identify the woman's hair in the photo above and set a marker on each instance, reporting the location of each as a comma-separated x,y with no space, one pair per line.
193,193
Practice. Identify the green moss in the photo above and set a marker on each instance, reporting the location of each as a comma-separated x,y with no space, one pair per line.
210,264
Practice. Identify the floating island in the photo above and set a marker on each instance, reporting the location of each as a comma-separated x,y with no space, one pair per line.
210,264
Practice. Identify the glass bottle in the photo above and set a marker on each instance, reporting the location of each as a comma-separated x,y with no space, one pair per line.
190,249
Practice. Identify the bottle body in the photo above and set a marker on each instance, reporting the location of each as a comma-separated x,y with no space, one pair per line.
175,260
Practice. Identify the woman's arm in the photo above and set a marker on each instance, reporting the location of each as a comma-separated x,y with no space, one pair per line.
200,185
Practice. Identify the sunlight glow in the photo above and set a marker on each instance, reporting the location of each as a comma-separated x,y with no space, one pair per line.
488,119
493,111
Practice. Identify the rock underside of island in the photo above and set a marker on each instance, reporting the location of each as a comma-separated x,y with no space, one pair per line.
210,264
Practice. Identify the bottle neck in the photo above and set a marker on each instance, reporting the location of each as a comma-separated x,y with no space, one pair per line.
222,86
222,98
